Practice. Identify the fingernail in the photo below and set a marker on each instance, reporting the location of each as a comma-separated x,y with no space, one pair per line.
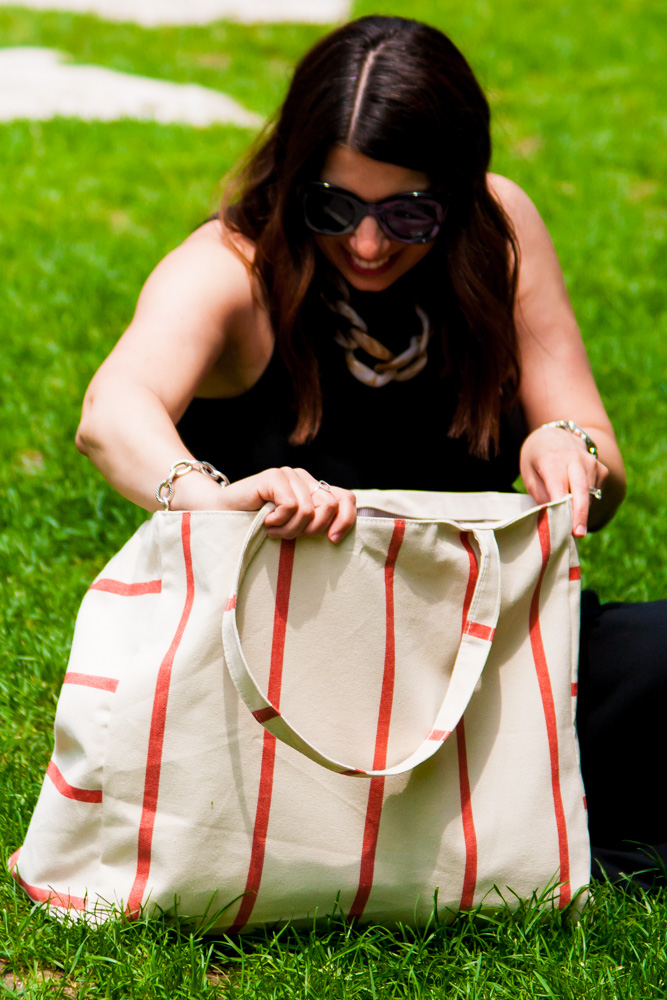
334,538
580,530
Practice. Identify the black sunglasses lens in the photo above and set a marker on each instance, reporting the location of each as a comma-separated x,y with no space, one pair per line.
328,212
408,219
412,220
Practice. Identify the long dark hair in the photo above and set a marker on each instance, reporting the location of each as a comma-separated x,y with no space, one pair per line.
397,91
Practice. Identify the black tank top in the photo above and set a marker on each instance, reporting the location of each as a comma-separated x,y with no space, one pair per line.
391,437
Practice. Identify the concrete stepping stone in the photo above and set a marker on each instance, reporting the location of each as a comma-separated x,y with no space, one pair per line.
38,83
155,12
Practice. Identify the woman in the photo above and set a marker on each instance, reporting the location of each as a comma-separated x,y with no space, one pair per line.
372,308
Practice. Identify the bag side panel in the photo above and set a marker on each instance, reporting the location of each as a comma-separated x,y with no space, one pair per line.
527,792
63,844
173,822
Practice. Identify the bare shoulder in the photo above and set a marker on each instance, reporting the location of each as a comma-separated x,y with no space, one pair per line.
193,312
512,198
208,271
213,237
528,224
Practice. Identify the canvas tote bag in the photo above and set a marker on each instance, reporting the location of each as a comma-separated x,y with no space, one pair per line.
262,731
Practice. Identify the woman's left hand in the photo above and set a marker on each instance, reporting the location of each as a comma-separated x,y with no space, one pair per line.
555,463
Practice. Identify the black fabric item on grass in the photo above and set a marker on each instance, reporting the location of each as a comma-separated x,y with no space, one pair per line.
621,726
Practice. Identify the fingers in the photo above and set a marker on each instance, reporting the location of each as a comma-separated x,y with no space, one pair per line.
561,467
580,500
295,509
324,500
346,516
305,506
335,510
581,476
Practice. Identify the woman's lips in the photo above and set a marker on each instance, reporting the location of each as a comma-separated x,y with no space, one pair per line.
373,269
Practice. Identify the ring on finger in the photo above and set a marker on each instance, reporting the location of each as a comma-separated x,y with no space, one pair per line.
322,486
596,492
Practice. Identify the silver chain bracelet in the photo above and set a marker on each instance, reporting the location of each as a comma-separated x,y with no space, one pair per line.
569,425
182,468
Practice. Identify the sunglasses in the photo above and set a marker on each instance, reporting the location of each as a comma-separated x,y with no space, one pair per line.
413,217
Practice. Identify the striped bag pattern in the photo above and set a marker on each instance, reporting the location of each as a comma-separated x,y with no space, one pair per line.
265,731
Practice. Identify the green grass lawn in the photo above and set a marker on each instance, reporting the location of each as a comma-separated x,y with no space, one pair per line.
88,209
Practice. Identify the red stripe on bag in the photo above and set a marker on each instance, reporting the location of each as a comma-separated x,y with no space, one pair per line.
439,734
376,789
258,849
60,899
283,588
469,833
467,815
473,573
264,714
549,708
388,677
70,791
127,589
231,603
91,680
475,629
575,572
479,631
156,735
574,690
369,847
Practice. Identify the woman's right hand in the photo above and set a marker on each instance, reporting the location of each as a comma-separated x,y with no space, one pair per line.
304,506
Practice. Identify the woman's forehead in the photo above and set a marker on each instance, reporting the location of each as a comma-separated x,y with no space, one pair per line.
371,180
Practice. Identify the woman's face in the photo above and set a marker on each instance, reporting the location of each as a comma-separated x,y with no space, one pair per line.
368,259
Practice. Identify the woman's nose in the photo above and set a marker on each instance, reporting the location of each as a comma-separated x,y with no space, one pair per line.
368,240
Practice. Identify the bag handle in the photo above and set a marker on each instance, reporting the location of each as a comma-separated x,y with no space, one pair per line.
470,660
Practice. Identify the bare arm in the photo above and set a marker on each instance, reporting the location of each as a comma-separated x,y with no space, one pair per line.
192,313
556,380
139,393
